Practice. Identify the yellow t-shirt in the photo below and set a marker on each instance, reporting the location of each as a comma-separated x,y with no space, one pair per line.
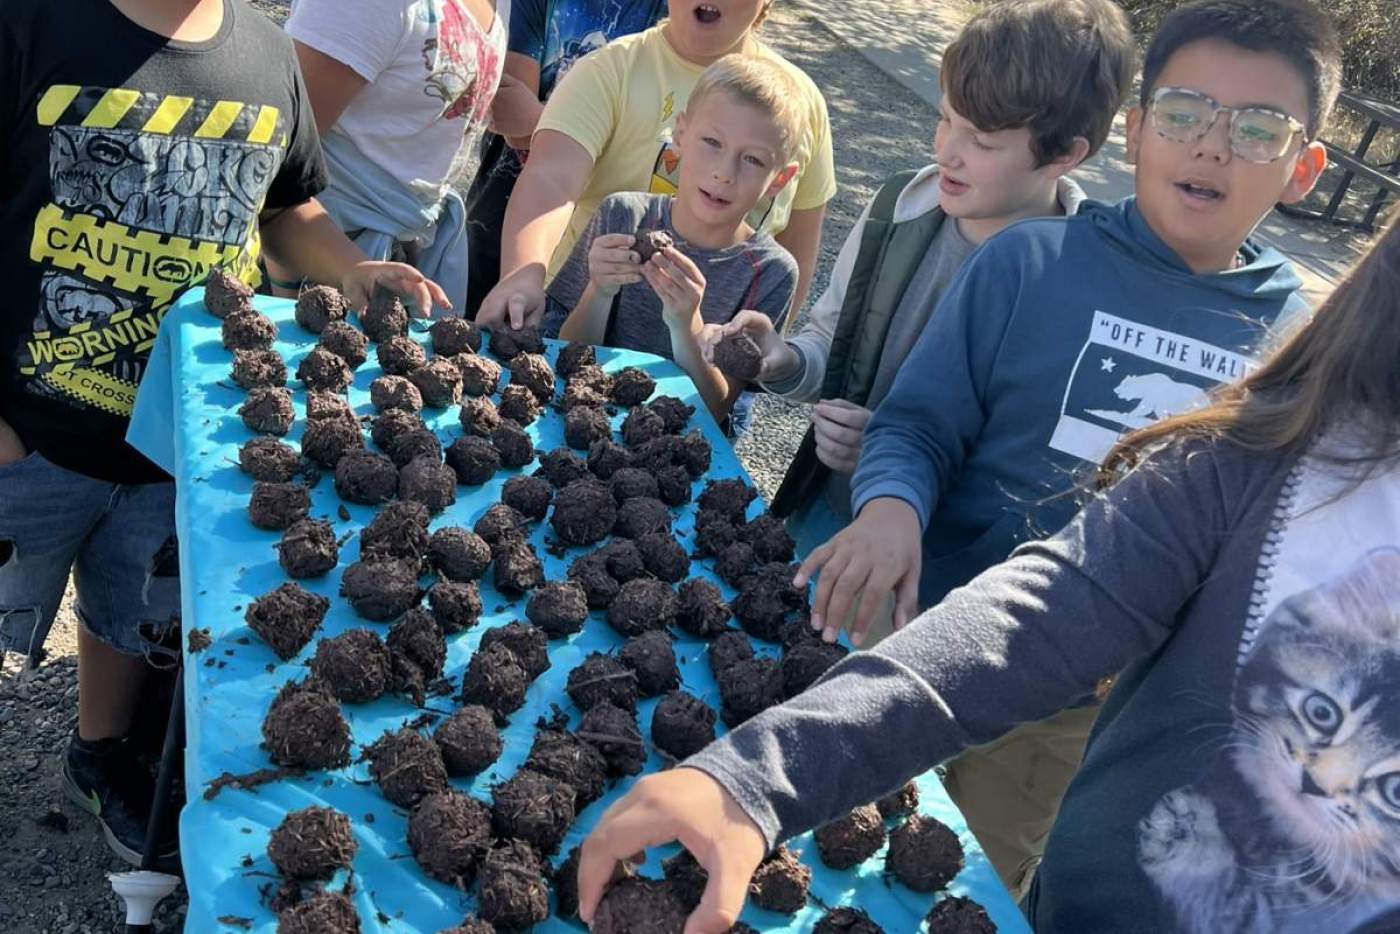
620,103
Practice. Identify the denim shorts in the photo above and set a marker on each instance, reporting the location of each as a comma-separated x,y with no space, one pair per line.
117,540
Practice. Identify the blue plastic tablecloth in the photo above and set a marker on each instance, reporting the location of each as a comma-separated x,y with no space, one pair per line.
186,419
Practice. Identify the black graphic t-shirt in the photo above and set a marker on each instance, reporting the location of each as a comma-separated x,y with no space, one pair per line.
129,164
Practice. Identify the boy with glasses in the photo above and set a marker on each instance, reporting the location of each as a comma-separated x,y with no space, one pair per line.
1061,334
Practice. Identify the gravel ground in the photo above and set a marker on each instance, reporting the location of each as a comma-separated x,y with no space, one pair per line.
52,873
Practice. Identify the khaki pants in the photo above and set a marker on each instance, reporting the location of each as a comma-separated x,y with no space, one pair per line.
1009,790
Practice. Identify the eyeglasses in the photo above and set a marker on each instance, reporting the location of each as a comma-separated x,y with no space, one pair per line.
1257,134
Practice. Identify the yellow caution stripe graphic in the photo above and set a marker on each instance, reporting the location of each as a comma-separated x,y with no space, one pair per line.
164,114
100,390
130,260
92,343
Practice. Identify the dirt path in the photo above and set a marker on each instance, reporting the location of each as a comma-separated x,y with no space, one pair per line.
52,876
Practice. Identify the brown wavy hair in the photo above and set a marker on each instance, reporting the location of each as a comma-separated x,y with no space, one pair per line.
1343,366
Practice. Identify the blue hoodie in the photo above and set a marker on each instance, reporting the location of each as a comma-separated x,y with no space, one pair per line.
1057,336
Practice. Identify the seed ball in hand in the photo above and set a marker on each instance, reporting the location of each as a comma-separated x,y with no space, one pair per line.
318,306
345,341
225,294
321,369
453,336
268,409
650,242
739,357
635,904
249,330
384,317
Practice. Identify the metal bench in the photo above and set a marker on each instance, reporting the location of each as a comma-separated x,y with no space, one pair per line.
1354,164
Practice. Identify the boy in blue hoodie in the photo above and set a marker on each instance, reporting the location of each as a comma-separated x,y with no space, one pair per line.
1061,334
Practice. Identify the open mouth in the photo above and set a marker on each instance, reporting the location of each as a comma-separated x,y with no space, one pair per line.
713,200
1200,191
706,14
950,185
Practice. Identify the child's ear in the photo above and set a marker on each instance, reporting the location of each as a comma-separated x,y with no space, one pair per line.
785,175
679,131
1135,121
1312,161
1063,165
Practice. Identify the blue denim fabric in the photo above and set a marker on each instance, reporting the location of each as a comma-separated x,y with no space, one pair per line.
117,540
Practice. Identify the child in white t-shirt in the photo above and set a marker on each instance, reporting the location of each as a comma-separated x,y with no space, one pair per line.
400,90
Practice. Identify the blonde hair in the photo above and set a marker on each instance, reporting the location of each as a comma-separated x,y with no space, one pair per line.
761,83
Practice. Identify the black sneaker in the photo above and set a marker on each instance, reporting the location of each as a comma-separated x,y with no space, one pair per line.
104,778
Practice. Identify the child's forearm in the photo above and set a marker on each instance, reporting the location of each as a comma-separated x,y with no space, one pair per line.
588,322
306,242
542,203
713,387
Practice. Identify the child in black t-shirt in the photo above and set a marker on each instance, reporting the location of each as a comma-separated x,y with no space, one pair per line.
141,143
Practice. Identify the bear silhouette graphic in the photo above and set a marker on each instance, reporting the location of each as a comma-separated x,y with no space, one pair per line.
1156,396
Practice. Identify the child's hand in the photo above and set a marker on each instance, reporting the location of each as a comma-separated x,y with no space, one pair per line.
515,110
515,302
686,805
612,264
680,285
882,550
839,426
779,359
400,278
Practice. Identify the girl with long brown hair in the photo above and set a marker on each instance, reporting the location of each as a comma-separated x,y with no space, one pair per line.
1241,571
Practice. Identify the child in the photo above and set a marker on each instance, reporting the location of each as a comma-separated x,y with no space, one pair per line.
1005,142
1244,578
1062,333
140,143
736,139
608,128
546,38
400,91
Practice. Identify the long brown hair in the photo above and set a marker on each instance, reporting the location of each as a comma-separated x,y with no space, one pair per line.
1343,366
